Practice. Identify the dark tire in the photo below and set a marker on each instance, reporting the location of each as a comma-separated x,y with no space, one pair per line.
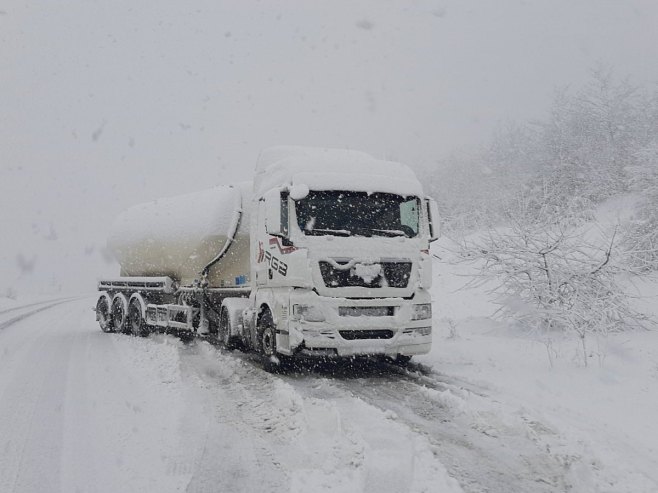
120,313
224,330
186,336
402,360
104,315
272,362
136,321
268,341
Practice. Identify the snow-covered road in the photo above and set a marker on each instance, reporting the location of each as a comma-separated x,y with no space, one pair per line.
81,411
86,411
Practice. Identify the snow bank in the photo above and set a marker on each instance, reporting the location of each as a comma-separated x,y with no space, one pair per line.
597,422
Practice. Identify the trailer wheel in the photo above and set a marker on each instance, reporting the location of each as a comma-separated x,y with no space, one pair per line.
103,314
136,321
120,313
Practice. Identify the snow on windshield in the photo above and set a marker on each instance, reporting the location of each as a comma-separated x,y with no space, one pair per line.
348,213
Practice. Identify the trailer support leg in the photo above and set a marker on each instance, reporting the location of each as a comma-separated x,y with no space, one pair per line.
204,323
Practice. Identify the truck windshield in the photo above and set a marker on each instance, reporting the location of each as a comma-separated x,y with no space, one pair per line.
348,213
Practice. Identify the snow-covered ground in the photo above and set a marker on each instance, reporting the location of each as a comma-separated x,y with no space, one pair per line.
598,422
486,411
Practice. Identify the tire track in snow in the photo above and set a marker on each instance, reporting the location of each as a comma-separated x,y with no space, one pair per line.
32,312
253,426
32,380
301,442
87,411
485,446
228,406
21,307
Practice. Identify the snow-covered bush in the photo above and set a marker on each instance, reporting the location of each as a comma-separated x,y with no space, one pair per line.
641,235
549,278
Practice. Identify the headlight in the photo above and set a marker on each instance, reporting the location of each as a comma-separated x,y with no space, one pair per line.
309,313
421,312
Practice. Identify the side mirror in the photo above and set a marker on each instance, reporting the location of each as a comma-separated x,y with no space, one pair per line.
276,212
434,219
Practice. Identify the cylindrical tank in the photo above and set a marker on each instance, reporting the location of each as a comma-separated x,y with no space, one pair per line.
179,236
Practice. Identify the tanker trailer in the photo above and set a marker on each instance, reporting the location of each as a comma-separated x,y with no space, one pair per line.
179,256
326,254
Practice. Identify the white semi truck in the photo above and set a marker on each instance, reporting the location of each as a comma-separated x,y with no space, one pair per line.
325,254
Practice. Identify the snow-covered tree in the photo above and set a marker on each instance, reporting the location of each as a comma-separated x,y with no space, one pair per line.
549,278
590,141
585,151
641,235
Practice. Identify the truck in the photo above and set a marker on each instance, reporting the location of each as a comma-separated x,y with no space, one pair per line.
325,254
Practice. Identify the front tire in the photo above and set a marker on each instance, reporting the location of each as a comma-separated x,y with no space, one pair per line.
272,362
224,330
268,341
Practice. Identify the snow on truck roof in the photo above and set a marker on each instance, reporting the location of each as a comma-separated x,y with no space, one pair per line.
332,169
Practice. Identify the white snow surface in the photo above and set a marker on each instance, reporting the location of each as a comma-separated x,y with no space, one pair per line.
485,411
597,421
332,169
194,215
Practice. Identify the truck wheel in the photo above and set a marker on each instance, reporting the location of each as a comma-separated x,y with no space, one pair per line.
120,313
103,314
266,335
268,341
402,360
224,330
136,320
272,361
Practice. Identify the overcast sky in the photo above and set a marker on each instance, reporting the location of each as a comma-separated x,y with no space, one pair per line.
104,104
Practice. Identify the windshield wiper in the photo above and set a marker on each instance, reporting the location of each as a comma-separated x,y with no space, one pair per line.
337,232
392,232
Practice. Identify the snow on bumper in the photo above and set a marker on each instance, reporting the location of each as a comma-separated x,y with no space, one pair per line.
350,327
405,344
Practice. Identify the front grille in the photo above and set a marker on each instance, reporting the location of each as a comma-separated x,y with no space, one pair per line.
353,335
392,274
366,311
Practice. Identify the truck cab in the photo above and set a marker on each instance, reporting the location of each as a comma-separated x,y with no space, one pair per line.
340,256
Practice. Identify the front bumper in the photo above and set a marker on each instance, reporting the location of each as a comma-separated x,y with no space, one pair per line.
349,335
